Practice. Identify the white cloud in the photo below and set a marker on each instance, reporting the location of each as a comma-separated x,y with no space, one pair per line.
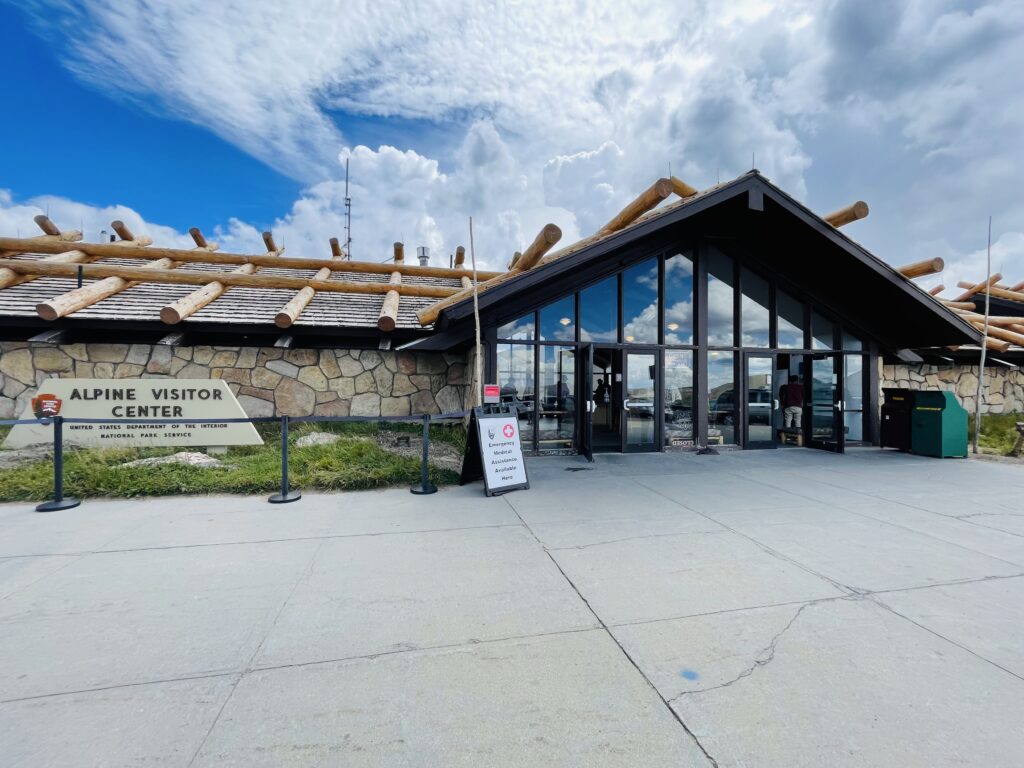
570,109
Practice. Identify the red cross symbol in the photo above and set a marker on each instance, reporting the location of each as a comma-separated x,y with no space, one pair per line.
508,430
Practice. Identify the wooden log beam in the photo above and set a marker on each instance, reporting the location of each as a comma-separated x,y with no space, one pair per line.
189,277
460,257
1005,321
1017,287
648,199
51,233
937,290
958,304
121,250
1001,293
681,188
922,268
187,306
546,238
997,345
88,295
1005,334
296,306
389,310
399,253
973,288
336,252
847,215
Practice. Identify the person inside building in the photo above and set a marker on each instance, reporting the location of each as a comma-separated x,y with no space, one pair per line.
792,397
601,392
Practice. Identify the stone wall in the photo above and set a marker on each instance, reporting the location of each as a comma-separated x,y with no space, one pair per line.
1004,387
267,381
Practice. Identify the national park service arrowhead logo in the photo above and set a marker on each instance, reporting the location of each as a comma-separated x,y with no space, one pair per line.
45,406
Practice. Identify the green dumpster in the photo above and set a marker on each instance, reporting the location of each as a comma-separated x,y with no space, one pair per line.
938,425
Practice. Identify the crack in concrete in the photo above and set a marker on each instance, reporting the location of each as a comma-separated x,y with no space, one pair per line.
604,627
763,658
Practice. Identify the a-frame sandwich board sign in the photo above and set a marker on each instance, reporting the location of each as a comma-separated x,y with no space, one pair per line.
493,451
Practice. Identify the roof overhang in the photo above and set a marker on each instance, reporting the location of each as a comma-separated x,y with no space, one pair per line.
783,236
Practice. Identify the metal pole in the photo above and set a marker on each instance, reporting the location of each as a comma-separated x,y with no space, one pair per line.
59,502
425,485
285,495
984,341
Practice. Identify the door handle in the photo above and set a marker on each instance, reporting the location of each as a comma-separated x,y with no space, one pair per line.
775,405
625,404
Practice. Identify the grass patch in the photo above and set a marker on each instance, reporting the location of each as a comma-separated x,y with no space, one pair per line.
998,432
355,462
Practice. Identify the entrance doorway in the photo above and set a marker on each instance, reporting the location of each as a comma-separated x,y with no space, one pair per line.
792,399
623,387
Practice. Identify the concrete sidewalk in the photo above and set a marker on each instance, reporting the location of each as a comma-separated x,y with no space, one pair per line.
783,608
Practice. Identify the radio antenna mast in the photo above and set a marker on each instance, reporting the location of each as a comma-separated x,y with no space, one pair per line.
348,216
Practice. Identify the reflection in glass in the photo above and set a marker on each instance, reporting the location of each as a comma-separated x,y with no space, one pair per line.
823,398
759,399
557,413
790,318
754,309
558,320
679,299
515,378
720,300
678,397
850,341
721,399
599,311
640,303
853,396
640,400
520,329
823,332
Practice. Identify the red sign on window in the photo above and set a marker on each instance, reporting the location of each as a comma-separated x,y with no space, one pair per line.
491,393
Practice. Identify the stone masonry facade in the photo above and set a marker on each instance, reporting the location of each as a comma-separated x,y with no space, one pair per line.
267,381
1004,387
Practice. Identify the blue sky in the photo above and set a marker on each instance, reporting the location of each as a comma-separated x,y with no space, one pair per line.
174,113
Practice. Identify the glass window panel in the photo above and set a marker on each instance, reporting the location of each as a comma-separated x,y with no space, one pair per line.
754,310
721,399
558,320
853,423
823,332
790,317
853,383
520,329
720,300
640,397
850,341
679,299
599,311
640,303
678,397
557,413
515,377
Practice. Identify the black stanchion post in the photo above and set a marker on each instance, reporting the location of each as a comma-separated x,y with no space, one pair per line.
286,494
59,502
425,485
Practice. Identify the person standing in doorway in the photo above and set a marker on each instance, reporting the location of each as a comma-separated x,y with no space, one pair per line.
792,397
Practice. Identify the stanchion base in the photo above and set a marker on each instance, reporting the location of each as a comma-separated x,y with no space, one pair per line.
56,506
284,498
421,490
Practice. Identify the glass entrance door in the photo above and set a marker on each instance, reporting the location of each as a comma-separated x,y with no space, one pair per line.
761,404
587,391
826,403
639,403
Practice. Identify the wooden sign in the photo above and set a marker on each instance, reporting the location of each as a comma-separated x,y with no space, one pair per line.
179,400
494,452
